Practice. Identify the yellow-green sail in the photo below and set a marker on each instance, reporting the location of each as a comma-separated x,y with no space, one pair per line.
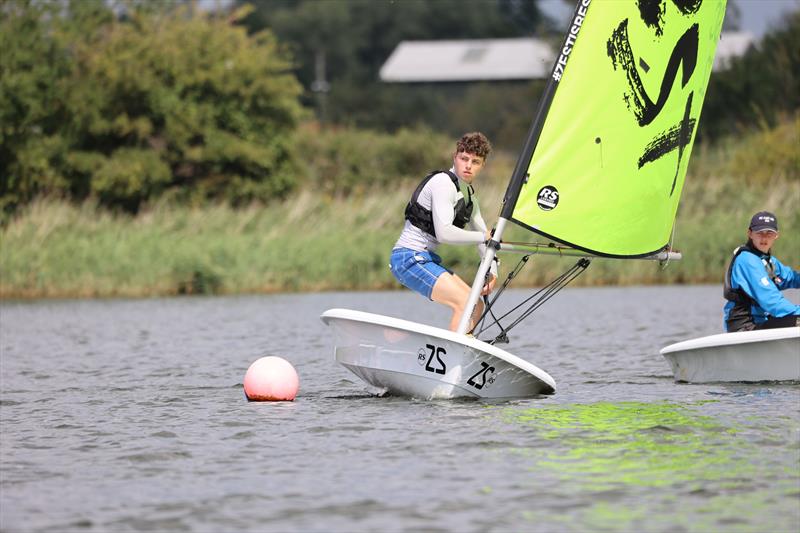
608,167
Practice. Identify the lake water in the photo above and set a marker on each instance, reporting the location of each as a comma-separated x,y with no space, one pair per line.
129,415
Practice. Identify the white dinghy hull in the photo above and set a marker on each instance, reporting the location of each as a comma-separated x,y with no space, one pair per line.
763,355
405,358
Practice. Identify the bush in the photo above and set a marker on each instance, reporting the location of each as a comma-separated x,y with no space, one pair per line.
759,88
772,157
32,67
164,99
342,161
128,177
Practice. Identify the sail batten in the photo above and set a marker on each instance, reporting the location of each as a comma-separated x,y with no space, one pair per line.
608,152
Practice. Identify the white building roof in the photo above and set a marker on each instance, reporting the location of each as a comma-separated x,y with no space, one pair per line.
469,60
732,44
502,59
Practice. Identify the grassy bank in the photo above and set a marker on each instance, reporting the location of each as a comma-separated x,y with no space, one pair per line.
317,240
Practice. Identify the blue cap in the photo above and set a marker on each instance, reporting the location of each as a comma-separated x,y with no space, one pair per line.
764,220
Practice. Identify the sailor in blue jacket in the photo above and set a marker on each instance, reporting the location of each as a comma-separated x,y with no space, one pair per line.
754,281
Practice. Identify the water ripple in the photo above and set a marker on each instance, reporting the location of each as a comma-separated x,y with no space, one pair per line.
144,425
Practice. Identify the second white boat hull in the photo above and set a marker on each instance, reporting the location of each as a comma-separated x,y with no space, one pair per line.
410,359
763,355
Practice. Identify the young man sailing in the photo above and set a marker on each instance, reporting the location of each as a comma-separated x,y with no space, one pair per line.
444,209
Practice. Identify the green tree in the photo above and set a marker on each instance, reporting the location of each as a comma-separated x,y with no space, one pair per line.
353,38
162,99
33,67
758,87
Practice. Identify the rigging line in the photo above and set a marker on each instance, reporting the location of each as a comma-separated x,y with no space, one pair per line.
550,291
532,308
665,263
503,333
489,303
574,272
546,293
497,320
544,289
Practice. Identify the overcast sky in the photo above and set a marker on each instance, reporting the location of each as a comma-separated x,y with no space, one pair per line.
757,16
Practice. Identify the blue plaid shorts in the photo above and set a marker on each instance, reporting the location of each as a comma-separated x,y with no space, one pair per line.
417,270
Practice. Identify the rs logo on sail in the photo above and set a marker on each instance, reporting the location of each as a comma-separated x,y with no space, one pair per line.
547,198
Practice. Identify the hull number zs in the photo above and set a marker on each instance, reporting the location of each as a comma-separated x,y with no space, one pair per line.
479,379
437,366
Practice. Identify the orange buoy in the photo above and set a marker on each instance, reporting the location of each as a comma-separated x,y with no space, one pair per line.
271,379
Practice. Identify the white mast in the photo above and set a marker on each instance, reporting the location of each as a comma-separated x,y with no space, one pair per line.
480,276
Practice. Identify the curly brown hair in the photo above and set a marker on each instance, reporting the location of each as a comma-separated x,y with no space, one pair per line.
474,143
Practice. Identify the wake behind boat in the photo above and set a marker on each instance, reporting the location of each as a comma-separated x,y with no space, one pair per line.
762,355
600,175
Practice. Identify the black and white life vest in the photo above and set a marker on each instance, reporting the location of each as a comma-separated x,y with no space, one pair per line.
740,316
423,218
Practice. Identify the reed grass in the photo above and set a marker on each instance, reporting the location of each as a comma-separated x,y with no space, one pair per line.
316,241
